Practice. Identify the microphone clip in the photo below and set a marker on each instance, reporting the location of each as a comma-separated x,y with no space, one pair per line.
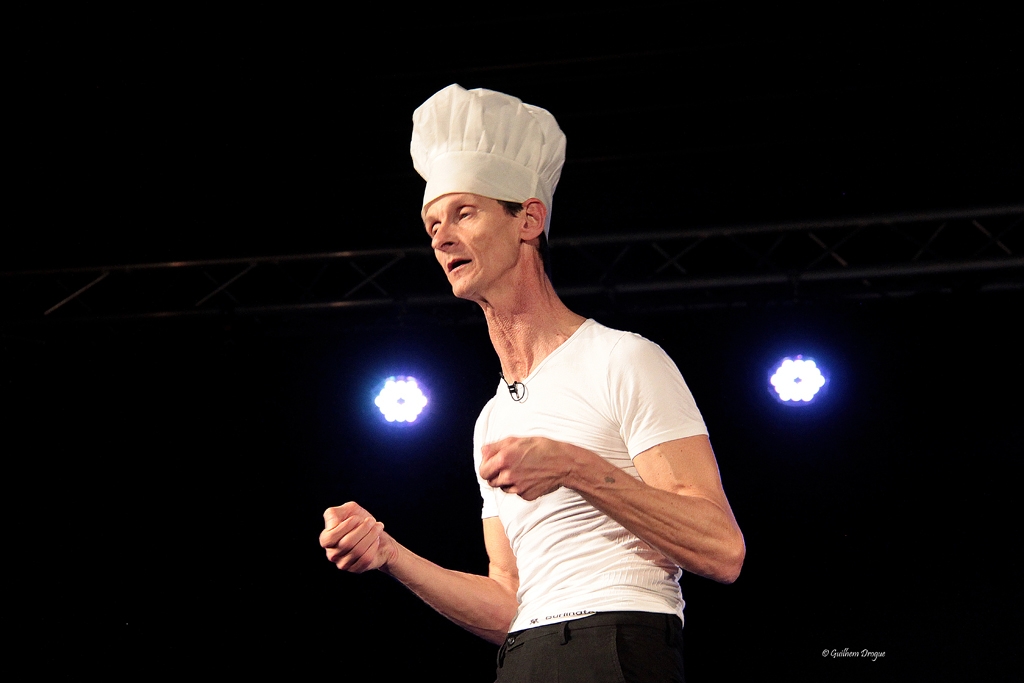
517,390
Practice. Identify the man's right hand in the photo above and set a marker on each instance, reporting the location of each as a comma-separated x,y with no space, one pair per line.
354,540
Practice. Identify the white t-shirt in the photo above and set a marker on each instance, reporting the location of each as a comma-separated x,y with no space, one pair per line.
616,394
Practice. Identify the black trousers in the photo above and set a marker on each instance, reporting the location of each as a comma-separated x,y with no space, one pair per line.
612,647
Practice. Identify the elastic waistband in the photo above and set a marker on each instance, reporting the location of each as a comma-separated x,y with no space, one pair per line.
649,619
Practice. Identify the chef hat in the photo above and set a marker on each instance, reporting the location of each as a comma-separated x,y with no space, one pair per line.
486,143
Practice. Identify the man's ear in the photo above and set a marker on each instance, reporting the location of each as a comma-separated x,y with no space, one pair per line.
534,214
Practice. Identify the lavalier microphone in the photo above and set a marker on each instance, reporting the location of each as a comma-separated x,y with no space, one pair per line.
517,390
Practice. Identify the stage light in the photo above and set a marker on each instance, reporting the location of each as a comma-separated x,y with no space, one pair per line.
797,380
401,399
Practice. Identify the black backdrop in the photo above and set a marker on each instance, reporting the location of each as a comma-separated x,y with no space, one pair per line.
170,488
165,480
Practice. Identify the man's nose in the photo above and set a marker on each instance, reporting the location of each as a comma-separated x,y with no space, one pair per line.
442,237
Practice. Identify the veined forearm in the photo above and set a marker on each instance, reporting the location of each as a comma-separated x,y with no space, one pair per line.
696,533
482,605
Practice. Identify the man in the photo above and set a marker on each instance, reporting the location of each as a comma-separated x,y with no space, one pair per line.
598,479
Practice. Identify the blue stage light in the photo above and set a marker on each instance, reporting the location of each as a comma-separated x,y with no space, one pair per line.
796,381
401,399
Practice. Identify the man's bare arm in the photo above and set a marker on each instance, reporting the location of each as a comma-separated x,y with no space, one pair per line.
483,605
679,508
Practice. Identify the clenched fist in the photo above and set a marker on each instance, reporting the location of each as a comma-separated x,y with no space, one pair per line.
354,540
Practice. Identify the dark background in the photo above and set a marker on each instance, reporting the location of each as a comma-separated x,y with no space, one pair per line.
165,479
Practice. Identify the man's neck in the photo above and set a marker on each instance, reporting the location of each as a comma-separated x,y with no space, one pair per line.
527,325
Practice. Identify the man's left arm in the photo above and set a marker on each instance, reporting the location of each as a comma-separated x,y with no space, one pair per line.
679,507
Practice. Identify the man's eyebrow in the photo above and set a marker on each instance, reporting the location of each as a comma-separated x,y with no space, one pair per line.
432,216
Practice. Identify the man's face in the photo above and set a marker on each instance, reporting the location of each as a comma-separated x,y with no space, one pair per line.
474,240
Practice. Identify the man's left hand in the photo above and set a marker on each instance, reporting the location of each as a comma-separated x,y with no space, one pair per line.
526,466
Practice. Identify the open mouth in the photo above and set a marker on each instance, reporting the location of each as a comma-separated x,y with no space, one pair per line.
455,264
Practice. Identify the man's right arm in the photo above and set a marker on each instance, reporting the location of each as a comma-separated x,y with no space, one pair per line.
483,605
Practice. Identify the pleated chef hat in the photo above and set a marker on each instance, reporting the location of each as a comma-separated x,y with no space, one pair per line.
486,143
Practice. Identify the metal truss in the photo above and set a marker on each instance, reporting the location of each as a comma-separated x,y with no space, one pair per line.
967,251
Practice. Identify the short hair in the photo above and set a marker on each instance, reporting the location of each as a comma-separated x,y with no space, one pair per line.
513,209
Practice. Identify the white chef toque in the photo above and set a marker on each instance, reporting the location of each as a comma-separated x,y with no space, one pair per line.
486,143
